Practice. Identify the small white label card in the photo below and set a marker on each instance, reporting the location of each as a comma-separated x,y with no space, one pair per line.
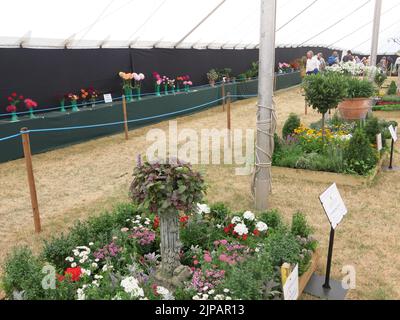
108,98
379,145
393,133
291,286
333,205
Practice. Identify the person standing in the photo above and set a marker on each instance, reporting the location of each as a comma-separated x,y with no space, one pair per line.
348,57
312,66
322,62
333,59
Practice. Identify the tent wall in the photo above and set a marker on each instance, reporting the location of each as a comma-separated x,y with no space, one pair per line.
44,74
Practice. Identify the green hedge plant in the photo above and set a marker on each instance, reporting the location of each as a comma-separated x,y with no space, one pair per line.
292,123
359,88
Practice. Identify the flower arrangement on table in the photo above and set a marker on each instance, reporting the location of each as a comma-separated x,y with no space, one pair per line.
158,82
73,98
183,81
30,105
284,68
138,83
187,83
62,98
127,84
14,99
84,96
92,95
212,77
170,85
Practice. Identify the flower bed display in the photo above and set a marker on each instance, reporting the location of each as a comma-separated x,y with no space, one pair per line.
387,103
346,148
229,255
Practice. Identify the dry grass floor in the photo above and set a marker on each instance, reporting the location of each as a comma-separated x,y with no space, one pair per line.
84,179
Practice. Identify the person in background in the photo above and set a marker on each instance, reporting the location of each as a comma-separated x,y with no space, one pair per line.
312,66
358,60
322,63
348,57
390,65
383,65
333,59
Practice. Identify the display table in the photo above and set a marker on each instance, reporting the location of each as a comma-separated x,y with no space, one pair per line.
150,109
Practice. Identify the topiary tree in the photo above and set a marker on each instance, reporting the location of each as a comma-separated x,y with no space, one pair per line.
392,90
292,123
166,189
324,91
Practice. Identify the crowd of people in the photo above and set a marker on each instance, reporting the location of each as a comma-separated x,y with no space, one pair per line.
317,63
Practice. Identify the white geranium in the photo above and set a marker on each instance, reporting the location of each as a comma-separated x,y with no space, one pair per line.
203,209
226,290
162,291
261,226
81,294
219,297
241,229
69,259
131,285
248,215
236,220
73,265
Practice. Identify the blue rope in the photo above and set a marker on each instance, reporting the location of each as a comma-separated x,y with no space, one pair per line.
122,122
10,137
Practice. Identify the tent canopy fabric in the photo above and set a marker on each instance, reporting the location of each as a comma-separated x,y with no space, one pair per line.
197,24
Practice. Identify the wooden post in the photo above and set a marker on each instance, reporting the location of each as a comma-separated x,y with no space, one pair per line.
228,117
223,95
125,117
31,179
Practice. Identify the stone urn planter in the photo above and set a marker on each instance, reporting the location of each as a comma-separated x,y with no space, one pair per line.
354,109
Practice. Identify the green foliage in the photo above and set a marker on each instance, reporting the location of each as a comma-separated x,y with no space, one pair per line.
218,212
380,78
212,75
386,107
391,98
292,123
272,218
300,226
359,88
324,91
392,90
283,247
159,187
23,273
360,156
247,280
199,232
372,128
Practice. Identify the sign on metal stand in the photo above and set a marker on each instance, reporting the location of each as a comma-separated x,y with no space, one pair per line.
320,286
393,133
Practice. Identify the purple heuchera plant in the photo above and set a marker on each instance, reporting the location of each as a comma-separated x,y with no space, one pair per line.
144,236
108,251
161,186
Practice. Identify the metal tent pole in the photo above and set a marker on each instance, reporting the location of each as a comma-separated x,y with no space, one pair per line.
266,119
375,32
199,24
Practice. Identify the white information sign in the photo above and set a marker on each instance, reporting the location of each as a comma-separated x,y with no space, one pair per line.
379,145
291,286
393,133
108,98
333,205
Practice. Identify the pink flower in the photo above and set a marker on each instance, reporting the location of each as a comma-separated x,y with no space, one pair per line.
207,258
30,103
196,262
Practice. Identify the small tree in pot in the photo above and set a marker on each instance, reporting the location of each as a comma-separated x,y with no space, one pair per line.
324,91
166,189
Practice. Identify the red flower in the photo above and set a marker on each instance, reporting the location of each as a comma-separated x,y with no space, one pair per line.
75,273
156,222
184,219
11,108
10,99
244,237
14,94
256,232
21,97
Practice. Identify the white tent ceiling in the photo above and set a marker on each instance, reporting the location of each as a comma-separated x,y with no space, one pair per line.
343,24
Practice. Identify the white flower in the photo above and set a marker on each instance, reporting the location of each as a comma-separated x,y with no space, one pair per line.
162,291
196,297
147,223
69,259
138,217
219,226
94,265
248,215
219,297
131,285
98,277
96,283
124,229
226,290
203,208
81,294
85,271
257,250
261,226
236,220
241,229
91,243
73,265
205,296
205,288
228,298
97,260
106,267
211,292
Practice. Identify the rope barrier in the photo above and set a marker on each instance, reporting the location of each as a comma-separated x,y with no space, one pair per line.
10,137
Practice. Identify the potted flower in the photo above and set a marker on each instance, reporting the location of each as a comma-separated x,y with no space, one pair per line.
158,81
30,105
179,81
61,99
284,68
187,83
92,96
357,100
171,85
324,91
74,101
138,83
127,84
212,76
14,99
84,95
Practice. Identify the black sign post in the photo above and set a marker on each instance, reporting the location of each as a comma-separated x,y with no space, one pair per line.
323,286
393,133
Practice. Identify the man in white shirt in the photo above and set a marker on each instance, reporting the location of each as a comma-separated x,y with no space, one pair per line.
312,66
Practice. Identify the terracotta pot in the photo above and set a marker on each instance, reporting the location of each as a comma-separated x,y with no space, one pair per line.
354,109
